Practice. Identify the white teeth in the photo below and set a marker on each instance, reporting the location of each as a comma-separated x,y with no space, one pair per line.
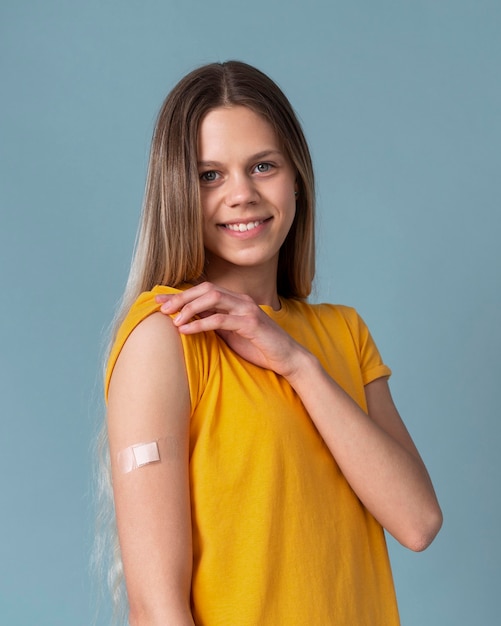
243,227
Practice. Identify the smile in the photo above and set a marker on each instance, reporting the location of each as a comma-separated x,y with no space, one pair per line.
242,227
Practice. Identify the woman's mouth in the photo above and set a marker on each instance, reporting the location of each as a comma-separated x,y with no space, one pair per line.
244,226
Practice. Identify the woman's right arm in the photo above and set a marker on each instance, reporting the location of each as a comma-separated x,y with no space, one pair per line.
149,400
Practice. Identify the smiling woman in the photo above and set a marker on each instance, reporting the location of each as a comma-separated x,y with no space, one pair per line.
256,452
248,203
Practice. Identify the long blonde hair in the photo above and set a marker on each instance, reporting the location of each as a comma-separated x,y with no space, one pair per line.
169,246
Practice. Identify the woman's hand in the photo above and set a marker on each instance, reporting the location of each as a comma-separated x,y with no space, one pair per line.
374,452
238,320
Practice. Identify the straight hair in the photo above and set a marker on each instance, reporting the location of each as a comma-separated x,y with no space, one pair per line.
169,246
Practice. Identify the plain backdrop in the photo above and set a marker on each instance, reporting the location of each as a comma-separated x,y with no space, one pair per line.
401,103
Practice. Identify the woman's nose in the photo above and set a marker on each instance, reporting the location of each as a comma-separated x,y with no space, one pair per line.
241,191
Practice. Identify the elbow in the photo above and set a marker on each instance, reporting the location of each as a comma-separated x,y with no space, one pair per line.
183,619
160,613
424,533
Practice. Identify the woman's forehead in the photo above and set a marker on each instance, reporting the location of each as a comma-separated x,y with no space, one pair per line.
235,130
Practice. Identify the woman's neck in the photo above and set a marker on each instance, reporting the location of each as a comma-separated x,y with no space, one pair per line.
260,286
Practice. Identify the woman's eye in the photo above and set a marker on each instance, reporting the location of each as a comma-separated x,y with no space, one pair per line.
208,177
263,167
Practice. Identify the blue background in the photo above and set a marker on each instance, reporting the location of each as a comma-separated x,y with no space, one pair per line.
401,102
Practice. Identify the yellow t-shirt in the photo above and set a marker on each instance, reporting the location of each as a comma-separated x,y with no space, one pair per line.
279,537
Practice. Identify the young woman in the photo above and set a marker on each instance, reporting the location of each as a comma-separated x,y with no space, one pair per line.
256,452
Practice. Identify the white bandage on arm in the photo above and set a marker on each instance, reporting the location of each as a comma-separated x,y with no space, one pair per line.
138,455
141,454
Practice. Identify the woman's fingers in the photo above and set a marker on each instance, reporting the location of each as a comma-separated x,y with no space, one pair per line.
237,319
203,300
242,324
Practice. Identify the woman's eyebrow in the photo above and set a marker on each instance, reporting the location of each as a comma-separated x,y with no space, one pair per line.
254,157
265,154
208,163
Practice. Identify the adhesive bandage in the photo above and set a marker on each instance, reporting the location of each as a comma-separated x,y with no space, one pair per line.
138,455
141,454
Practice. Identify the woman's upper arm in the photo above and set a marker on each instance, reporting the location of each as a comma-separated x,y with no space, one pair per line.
383,411
149,401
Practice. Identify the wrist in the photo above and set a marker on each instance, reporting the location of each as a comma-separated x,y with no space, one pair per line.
303,363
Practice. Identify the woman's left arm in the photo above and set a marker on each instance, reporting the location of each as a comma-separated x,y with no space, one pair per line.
375,453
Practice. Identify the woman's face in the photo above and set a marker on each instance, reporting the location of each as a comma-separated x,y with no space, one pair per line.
247,186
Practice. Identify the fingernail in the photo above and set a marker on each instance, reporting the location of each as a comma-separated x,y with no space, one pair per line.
162,298
166,303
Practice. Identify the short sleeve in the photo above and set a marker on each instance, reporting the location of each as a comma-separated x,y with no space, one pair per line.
371,362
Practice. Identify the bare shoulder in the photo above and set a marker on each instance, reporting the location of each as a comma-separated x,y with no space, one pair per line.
154,343
155,336
148,387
